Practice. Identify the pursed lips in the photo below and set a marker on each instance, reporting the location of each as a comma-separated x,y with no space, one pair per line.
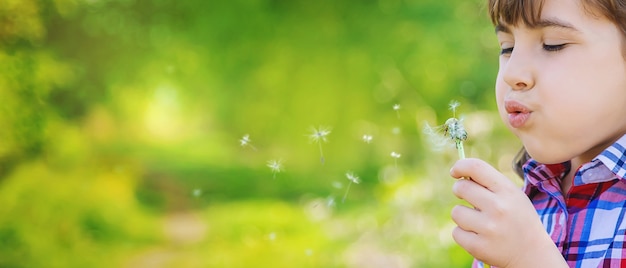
518,113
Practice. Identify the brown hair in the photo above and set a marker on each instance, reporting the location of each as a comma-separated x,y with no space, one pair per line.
528,12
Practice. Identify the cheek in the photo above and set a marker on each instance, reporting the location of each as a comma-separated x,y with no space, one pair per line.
501,90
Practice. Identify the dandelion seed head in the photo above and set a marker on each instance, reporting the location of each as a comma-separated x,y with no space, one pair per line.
395,155
455,130
367,138
319,134
396,107
353,177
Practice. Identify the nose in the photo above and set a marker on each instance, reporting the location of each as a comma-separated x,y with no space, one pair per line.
518,71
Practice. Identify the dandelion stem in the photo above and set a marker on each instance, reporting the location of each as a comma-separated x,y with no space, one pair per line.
460,149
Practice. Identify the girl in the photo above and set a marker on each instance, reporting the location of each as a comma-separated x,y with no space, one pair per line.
561,89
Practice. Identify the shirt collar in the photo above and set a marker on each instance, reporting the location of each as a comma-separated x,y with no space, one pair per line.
608,165
614,158
535,172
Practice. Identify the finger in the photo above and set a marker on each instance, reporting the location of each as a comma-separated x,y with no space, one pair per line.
480,172
468,219
468,240
474,193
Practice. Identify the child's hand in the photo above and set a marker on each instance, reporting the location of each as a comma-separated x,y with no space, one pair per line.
503,228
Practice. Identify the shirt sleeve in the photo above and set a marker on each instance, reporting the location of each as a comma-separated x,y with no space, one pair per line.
479,264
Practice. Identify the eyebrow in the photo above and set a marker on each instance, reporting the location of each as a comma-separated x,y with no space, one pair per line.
544,23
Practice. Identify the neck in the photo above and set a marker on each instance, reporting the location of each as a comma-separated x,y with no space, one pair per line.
568,179
566,182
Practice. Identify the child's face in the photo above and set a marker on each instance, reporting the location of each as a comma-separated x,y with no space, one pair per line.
562,89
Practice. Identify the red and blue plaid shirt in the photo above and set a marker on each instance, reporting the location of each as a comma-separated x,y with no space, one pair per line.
588,225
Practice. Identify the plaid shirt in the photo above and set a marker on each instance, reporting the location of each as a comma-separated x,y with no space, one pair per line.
588,225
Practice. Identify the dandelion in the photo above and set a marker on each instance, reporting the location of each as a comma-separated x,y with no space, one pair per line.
395,156
396,107
318,135
367,138
455,130
353,178
245,141
452,130
276,166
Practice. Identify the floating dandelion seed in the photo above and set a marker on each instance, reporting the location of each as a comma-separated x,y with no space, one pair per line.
196,192
276,166
396,107
395,157
353,179
318,135
367,138
245,141
271,236
330,201
395,130
452,106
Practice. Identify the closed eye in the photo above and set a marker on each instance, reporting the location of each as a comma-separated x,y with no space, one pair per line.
552,48
507,50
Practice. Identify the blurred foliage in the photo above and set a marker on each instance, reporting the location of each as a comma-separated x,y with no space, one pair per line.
121,122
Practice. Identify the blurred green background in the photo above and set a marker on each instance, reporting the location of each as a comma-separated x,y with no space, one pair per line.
122,123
